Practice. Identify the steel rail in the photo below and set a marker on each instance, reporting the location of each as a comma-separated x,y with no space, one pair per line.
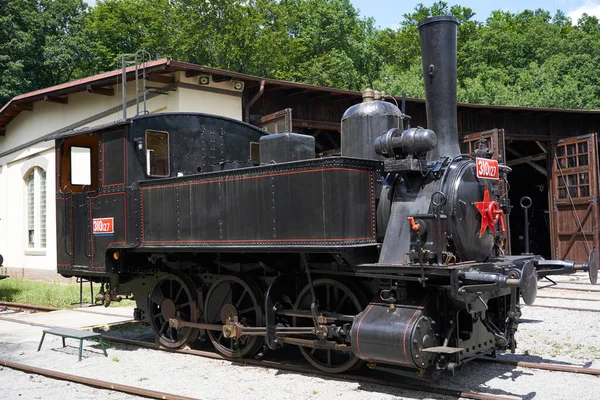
566,298
137,391
50,309
561,308
571,289
28,306
574,369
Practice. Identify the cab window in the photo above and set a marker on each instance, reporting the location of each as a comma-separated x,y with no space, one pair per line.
79,164
157,153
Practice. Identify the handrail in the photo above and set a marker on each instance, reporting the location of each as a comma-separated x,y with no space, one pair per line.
72,236
87,236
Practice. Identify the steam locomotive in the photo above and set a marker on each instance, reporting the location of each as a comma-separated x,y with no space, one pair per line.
391,253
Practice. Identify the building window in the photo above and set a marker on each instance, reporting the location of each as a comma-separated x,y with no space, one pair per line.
35,182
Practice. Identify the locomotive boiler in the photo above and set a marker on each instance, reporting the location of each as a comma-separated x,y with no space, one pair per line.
390,254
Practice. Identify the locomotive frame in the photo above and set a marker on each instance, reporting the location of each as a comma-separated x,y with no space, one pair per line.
389,254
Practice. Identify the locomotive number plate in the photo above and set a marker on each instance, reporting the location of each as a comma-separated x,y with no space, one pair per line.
103,226
487,169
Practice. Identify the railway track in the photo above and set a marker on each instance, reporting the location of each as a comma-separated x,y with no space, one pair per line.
311,371
567,298
137,391
568,289
307,369
561,308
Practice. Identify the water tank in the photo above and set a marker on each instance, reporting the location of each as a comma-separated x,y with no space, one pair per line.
285,147
363,123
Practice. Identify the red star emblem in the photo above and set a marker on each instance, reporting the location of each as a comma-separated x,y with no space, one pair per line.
490,213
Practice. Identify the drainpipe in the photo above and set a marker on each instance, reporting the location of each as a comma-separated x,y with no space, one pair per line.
261,90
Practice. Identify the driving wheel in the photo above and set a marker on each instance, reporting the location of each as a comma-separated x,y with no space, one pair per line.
333,297
173,296
229,297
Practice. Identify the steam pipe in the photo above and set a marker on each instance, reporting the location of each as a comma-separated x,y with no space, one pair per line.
261,90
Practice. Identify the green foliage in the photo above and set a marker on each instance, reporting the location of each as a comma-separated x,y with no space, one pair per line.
531,58
47,294
38,293
41,44
116,27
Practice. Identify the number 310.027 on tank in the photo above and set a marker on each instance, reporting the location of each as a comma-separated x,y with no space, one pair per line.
486,168
103,226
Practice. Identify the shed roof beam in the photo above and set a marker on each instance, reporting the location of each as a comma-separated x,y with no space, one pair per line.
533,165
56,99
523,160
166,79
23,107
100,90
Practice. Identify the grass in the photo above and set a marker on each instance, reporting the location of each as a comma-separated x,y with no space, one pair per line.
47,294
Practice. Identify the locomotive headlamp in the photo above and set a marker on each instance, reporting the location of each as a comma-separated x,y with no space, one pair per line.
116,255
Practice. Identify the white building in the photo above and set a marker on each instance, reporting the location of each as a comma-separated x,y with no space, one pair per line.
27,162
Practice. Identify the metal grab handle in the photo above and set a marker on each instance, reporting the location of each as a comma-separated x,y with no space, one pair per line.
68,190
525,203
438,199
88,239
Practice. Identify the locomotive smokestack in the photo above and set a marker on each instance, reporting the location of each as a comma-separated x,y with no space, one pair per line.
438,48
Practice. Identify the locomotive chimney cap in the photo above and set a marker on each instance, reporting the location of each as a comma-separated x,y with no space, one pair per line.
441,18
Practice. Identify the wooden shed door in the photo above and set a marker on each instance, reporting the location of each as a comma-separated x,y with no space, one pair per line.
574,196
494,140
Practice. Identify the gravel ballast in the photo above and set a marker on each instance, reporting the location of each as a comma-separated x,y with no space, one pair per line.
545,335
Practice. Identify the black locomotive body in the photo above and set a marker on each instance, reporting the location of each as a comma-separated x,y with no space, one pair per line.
391,253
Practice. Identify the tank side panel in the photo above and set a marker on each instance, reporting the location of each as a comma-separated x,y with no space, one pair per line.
108,225
302,203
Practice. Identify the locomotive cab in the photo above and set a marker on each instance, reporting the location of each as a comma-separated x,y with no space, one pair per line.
100,168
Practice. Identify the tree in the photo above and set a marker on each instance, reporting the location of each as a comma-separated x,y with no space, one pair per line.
117,27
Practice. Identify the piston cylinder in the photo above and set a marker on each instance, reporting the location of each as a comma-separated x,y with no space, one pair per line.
394,334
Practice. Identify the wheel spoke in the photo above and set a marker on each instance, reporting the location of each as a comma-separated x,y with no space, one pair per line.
246,310
341,303
218,313
329,358
157,296
237,304
162,327
178,294
180,306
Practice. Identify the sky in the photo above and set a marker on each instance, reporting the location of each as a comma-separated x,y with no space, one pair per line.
388,13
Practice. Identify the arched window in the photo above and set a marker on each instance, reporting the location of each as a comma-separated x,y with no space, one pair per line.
35,182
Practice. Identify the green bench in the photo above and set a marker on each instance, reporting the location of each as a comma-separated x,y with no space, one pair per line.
73,334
